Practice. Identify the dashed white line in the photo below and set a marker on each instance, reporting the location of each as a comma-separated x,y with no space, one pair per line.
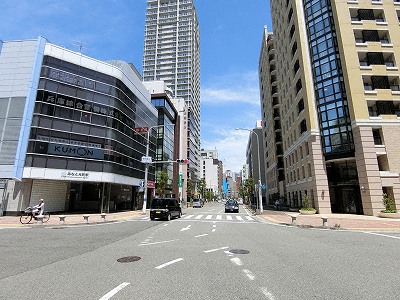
114,291
213,250
147,244
186,228
267,293
249,274
169,263
237,261
213,230
201,235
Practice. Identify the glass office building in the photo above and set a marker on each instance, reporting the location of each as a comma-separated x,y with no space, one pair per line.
70,122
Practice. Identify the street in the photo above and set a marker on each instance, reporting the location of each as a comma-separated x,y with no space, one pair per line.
207,254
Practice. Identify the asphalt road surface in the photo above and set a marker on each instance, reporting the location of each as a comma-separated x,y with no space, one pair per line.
206,254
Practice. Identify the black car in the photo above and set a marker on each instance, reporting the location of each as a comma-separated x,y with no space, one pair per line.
165,208
231,206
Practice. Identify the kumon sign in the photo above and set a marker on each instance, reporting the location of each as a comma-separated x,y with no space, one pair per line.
75,151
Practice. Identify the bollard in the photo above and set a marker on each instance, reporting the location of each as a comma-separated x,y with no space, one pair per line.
62,219
103,217
294,217
324,222
86,218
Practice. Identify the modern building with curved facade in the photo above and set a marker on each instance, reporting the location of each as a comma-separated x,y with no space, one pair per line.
67,128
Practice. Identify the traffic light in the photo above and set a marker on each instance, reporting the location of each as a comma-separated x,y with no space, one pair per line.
182,161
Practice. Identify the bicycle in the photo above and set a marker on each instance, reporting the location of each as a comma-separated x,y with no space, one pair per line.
27,217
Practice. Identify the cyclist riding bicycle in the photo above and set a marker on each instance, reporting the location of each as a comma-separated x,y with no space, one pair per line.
38,209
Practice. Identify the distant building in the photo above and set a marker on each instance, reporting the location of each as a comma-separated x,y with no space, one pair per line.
171,136
71,130
211,170
172,54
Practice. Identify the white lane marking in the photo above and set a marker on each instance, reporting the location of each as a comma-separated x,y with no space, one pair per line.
189,217
249,218
213,250
186,228
165,225
237,261
228,253
169,263
267,293
114,291
213,230
380,234
239,218
209,217
249,274
147,244
201,235
198,217
228,217
219,217
214,225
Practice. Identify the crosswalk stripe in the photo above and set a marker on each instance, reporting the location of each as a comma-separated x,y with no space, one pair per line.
219,217
249,218
199,217
239,218
189,217
229,217
209,217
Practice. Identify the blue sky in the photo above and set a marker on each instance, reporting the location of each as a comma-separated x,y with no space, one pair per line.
230,40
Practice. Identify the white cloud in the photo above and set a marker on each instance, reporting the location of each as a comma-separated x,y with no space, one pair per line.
234,87
231,149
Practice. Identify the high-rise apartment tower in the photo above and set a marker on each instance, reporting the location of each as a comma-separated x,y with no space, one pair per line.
172,54
335,80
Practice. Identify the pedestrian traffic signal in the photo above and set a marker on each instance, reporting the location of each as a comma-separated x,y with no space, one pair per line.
182,161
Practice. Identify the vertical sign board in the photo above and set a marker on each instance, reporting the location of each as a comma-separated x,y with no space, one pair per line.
180,180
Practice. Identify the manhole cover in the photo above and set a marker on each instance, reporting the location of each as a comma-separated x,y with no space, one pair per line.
239,251
128,259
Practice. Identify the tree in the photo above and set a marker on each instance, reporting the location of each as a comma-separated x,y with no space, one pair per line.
248,188
162,183
202,186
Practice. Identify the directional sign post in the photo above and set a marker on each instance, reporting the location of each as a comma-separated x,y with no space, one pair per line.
147,159
140,129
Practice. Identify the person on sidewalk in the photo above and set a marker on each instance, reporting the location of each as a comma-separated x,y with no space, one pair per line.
278,204
38,209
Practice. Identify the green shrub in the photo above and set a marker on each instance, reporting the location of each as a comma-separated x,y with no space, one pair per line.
388,202
306,203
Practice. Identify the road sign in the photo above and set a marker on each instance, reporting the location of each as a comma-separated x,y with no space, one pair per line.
180,180
140,129
147,159
264,187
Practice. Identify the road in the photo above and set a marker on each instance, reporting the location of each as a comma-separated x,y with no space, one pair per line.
206,254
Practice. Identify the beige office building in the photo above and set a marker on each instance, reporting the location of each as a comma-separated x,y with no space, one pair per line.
336,93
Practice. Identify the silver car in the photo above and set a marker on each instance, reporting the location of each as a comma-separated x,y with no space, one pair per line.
197,203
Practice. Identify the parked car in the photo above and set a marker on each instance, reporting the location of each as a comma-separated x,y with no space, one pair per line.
165,208
197,203
231,206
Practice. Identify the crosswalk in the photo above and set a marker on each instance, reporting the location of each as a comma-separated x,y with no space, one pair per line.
225,217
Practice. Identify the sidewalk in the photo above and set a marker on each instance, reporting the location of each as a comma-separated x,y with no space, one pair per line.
76,219
336,221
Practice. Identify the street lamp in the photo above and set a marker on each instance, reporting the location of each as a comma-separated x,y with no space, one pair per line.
146,165
211,187
259,168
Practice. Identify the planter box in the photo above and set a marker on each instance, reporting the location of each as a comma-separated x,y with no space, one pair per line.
308,212
389,215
